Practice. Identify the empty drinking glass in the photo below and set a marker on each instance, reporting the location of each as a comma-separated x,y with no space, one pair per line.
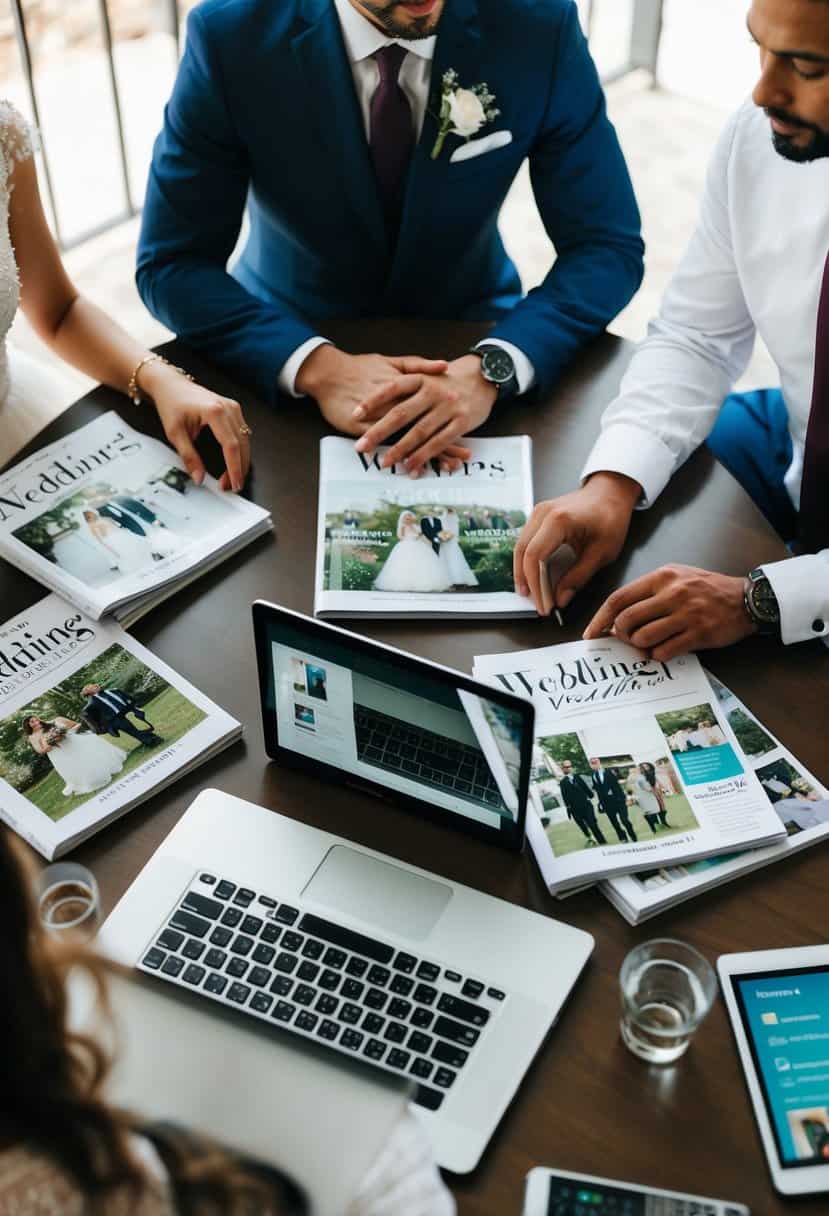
67,899
667,990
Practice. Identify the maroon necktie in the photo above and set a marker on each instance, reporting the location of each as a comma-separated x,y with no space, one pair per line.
391,138
814,492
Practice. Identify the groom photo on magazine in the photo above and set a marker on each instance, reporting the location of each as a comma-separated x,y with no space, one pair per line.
431,526
105,713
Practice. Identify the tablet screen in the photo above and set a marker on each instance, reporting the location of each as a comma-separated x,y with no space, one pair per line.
785,1015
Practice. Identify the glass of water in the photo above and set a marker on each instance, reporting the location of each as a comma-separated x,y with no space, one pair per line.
668,988
67,899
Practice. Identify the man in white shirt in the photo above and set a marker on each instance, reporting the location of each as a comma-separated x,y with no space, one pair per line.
756,263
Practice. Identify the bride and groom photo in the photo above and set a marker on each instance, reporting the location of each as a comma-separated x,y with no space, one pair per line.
427,555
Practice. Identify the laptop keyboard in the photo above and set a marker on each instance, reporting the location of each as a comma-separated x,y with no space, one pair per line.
425,756
358,995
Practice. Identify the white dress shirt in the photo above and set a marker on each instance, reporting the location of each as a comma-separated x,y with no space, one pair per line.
362,40
754,265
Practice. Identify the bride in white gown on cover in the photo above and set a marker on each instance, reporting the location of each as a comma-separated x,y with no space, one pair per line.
32,277
412,564
84,761
125,551
455,565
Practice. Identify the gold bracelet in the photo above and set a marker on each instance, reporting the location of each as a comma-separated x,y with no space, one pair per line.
133,390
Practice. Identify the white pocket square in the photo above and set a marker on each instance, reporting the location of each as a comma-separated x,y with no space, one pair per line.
477,147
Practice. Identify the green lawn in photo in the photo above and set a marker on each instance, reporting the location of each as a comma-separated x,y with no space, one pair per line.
568,838
171,715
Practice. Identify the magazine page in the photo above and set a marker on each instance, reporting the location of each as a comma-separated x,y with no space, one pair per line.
441,544
634,764
797,797
107,514
90,724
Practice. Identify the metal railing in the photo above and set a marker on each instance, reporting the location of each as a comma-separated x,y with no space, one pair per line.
643,51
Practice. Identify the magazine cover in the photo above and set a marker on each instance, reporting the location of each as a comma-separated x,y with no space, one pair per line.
91,723
108,515
439,545
797,797
635,765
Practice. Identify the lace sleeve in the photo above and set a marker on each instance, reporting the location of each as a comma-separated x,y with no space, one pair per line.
17,140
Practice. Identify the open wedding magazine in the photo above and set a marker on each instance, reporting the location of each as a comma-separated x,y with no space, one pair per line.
634,765
108,518
798,798
441,545
91,723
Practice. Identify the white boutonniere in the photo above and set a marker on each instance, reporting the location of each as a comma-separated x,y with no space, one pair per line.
462,111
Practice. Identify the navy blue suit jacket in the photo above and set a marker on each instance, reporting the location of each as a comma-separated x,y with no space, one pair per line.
264,113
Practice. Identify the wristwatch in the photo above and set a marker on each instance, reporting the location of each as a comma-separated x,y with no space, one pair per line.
761,603
498,368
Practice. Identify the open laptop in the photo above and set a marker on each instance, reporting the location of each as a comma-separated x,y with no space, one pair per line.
389,966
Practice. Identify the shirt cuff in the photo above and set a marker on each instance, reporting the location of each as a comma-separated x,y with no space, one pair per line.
623,448
524,370
290,368
801,585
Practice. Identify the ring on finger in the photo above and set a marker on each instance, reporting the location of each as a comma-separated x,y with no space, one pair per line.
244,429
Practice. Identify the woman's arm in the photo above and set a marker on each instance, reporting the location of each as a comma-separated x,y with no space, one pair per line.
38,744
79,332
67,723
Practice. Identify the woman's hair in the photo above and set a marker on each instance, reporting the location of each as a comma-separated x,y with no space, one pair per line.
52,1076
648,771
28,729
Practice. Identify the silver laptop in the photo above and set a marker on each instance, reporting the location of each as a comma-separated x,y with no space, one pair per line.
390,967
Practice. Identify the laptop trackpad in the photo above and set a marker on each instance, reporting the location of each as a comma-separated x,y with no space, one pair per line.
378,892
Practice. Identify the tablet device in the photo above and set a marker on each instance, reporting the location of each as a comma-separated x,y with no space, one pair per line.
778,1002
559,1193
428,738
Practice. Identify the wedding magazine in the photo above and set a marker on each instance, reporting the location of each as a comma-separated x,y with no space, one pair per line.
109,519
441,545
91,723
635,766
797,797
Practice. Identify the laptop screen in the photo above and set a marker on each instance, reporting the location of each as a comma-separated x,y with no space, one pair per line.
395,721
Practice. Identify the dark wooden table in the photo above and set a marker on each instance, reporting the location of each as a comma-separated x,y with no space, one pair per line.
586,1103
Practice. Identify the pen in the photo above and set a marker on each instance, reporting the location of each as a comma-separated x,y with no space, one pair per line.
559,617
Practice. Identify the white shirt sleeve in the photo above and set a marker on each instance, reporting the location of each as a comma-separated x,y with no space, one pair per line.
696,349
801,585
524,370
290,368
404,1180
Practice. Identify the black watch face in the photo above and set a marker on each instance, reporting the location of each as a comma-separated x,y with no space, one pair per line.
497,365
764,601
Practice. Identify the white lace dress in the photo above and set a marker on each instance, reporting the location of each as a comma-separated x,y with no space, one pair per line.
28,389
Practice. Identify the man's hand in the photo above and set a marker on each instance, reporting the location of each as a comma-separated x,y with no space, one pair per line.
594,521
435,407
675,610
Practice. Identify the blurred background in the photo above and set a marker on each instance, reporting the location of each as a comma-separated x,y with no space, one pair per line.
94,75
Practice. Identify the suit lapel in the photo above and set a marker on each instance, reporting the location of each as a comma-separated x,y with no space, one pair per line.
332,98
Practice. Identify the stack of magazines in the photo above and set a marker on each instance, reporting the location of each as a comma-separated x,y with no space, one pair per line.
651,777
109,519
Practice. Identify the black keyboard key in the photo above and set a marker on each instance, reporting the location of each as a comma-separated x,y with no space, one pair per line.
374,1049
376,998
236,968
404,962
373,1023
207,879
215,958
428,971
378,976
473,989
420,1042
350,1013
231,917
326,1003
261,1002
283,1012
203,905
238,993
220,936
352,1040
304,994
270,933
196,926
444,1077
266,901
282,985
215,983
356,966
242,945
421,1069
291,941
425,994
170,940
352,990
456,1032
193,948
263,954
395,1032
329,980
428,1098
337,935
448,1053
244,896
496,994
308,971
305,1020
312,949
259,977
402,985
422,1018
328,1030
286,962
334,957
286,915
173,965
398,1008
465,1011
194,974
154,958
225,889
397,1058
251,925
454,977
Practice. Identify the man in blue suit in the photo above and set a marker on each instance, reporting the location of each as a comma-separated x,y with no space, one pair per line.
373,182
